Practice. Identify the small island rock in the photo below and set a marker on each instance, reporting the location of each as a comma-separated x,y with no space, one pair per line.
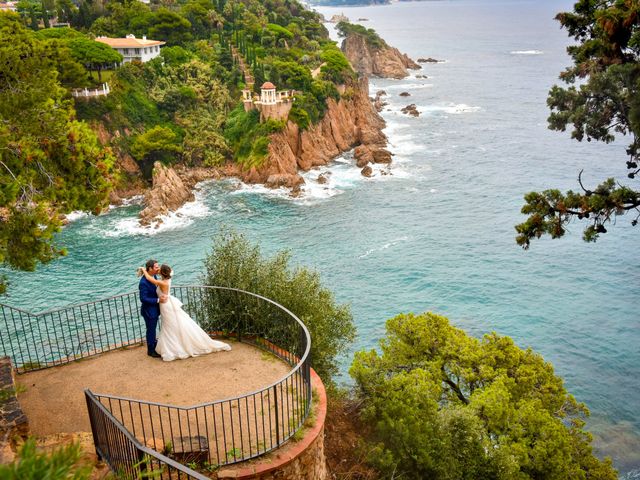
411,110
167,194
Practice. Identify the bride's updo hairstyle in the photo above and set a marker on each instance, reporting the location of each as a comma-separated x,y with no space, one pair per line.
165,271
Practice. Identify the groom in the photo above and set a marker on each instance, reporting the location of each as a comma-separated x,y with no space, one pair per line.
150,306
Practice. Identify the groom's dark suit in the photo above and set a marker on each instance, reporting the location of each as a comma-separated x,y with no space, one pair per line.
150,311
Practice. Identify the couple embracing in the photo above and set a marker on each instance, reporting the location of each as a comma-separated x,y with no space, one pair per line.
180,337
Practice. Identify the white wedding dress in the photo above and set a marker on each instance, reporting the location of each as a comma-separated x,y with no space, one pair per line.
181,337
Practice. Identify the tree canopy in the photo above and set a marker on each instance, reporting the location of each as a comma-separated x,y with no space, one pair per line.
601,101
444,405
93,55
50,163
235,262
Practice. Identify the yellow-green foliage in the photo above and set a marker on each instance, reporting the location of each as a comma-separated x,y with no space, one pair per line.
51,163
235,262
64,463
445,405
247,137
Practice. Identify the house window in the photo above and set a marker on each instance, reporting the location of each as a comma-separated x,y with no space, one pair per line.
137,51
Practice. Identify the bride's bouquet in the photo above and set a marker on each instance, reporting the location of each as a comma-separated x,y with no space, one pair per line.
140,271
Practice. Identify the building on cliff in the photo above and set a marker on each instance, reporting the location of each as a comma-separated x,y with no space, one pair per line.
132,48
271,103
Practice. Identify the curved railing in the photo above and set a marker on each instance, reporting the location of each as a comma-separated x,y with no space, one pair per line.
205,435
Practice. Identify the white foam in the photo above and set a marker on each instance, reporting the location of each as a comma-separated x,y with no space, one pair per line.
181,218
526,52
135,200
76,215
451,108
407,86
259,189
390,244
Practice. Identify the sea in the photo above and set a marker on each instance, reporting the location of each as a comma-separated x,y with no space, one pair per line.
435,230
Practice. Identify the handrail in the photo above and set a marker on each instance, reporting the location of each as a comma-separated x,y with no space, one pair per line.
134,461
212,433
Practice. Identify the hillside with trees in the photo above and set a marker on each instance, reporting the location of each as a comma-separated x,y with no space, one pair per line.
183,107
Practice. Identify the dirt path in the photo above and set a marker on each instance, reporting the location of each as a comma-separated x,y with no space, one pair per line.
54,401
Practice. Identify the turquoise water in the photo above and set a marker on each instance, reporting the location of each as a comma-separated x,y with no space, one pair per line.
436,233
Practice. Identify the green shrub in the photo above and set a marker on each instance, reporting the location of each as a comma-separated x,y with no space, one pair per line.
444,405
337,68
369,34
235,262
279,31
247,137
299,115
62,464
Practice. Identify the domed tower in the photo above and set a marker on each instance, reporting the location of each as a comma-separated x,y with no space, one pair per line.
268,93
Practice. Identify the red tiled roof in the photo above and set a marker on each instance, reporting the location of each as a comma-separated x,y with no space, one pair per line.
268,86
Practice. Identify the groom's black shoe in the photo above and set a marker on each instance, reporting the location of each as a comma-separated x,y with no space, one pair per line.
154,354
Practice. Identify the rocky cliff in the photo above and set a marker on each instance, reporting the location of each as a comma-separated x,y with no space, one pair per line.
350,123
380,61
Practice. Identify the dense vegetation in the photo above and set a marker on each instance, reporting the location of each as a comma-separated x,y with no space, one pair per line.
235,262
602,101
369,34
444,405
50,163
183,106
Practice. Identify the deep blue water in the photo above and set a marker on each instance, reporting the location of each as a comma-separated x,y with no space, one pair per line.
437,233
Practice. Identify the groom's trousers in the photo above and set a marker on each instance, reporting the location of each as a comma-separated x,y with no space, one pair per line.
151,322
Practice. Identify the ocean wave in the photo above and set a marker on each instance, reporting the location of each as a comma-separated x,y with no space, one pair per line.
181,218
407,86
76,215
259,189
387,245
452,108
403,145
526,52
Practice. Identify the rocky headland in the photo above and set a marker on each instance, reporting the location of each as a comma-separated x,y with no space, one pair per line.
351,123
380,60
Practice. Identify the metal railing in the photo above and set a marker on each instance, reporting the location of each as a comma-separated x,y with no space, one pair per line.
205,435
124,454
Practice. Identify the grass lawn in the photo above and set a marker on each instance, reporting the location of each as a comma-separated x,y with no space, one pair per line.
106,76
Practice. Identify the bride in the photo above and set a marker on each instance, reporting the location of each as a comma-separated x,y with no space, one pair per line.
180,336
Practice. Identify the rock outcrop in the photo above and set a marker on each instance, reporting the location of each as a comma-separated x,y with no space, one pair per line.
378,102
411,110
352,122
368,60
167,194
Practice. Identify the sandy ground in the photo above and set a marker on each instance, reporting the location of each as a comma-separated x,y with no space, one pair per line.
54,401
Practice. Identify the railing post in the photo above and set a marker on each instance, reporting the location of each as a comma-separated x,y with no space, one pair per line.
275,396
92,421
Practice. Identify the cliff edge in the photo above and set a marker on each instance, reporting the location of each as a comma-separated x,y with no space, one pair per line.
349,123
376,58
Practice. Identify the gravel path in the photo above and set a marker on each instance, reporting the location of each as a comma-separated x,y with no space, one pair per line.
54,401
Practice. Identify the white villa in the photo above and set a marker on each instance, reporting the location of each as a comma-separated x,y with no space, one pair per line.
132,48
